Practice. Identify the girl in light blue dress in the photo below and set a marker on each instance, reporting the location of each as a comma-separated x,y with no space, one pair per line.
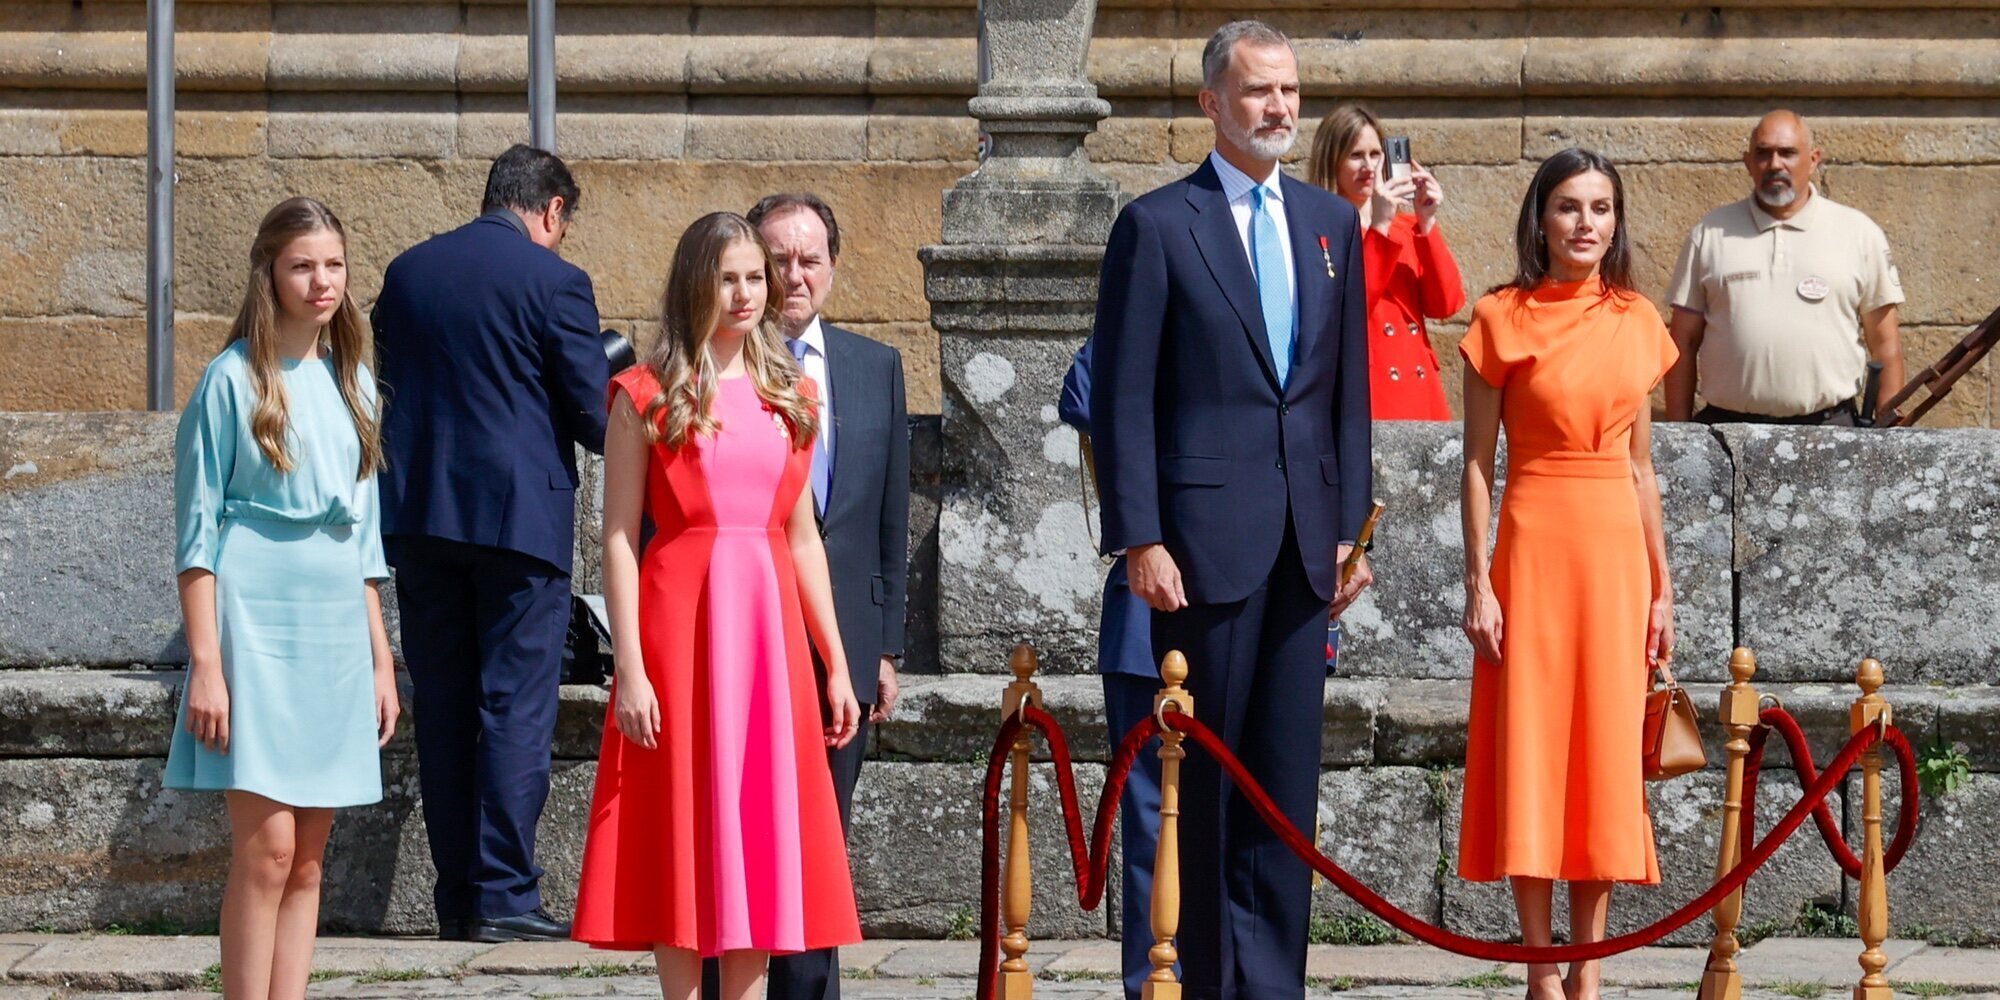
291,691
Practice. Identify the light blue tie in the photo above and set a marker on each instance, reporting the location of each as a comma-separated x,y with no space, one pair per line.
1274,290
822,464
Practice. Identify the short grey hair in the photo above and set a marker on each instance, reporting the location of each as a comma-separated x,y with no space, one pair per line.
1221,46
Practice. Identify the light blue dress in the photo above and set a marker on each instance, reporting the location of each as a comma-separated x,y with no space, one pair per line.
291,554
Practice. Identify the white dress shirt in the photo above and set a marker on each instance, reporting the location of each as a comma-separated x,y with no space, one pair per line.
1236,185
814,364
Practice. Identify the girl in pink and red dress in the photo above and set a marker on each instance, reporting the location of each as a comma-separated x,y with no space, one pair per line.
714,830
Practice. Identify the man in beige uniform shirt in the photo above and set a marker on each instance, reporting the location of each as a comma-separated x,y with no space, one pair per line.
1781,299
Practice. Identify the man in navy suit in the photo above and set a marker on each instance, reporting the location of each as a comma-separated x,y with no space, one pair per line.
1231,409
487,348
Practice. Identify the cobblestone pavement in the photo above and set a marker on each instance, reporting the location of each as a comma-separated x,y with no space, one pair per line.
101,967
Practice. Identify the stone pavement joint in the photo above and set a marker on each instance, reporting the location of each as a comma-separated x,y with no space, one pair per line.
71,967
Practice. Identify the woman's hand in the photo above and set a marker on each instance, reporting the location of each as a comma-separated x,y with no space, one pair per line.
1483,623
1427,197
208,705
1388,197
388,707
843,710
636,708
1660,629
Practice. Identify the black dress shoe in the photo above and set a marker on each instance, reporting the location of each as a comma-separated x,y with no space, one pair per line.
534,925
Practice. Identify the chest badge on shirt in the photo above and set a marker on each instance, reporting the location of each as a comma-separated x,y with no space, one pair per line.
1813,288
1326,255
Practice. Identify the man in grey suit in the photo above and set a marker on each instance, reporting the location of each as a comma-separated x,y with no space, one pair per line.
861,488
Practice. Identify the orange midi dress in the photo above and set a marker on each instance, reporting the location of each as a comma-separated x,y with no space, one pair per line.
1553,782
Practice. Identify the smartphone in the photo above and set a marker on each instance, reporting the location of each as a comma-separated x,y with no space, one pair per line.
1396,157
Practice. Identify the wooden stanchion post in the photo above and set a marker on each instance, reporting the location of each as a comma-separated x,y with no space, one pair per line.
1872,913
1738,713
1018,893
1161,983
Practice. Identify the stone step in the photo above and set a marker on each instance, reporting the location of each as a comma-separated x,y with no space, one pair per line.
90,839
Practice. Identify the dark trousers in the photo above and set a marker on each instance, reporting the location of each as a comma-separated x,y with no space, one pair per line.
483,634
1257,673
810,975
1128,700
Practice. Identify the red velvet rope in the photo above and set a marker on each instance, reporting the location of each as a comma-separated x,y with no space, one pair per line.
1778,719
1092,864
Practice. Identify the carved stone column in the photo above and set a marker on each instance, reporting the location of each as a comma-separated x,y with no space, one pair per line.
1013,289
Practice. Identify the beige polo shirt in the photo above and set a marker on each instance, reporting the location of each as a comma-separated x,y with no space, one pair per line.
1784,302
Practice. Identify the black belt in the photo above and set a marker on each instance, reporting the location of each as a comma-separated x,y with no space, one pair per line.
1842,412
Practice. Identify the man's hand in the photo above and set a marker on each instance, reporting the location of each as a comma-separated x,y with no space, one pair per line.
1363,576
1155,577
886,691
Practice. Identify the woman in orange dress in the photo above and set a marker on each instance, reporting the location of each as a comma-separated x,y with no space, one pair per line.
714,830
1575,603
1410,272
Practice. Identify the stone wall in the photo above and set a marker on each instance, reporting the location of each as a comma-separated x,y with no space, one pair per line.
389,112
1816,547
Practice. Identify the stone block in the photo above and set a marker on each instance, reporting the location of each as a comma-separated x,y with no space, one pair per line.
1132,53
954,717
87,713
623,48
92,363
926,51
79,481
1422,722
742,128
51,45
1968,718
1440,133
1972,401
403,125
931,811
365,46
1704,130
74,241
1876,53
136,962
588,126
824,50
1016,534
1947,885
1932,256
1408,623
1138,131
1823,509
113,123
1686,815
909,129
1382,825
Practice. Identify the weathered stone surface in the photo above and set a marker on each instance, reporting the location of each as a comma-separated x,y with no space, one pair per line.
929,813
87,713
954,718
1697,131
97,123
745,128
623,48
364,46
1422,722
1409,623
90,363
588,126
824,51
1854,544
1016,535
421,126
1382,825
906,129
1943,886
1968,718
121,962
216,46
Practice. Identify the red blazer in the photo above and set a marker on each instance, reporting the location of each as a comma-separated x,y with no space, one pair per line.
1410,277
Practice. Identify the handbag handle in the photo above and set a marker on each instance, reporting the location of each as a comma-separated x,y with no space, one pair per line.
1663,667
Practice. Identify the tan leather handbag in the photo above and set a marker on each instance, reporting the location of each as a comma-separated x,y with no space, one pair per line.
1672,736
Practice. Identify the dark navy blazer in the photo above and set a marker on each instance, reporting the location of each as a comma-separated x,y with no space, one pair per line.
1197,446
1125,629
492,372
867,520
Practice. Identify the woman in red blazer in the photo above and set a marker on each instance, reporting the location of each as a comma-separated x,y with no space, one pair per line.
1411,274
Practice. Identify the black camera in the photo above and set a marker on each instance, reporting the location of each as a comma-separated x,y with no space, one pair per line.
617,350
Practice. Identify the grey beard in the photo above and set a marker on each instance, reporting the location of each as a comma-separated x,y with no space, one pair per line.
1262,148
1776,196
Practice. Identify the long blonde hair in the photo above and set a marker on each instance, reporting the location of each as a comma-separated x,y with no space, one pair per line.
690,308
1337,134
345,335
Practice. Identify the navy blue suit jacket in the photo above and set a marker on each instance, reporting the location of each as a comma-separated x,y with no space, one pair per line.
492,372
866,525
1197,445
